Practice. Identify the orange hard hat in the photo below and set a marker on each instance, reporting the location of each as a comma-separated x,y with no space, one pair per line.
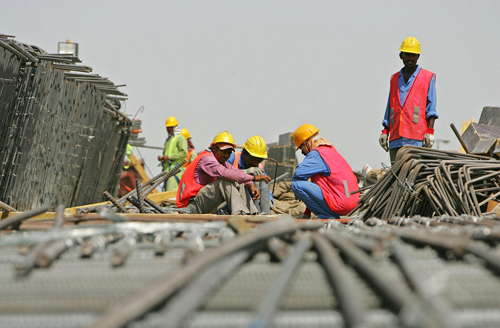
303,133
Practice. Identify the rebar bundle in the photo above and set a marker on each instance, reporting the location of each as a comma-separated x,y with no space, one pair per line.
430,182
62,136
404,272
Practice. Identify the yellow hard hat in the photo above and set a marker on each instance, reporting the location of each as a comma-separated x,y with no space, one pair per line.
185,133
223,137
411,45
303,133
256,147
171,121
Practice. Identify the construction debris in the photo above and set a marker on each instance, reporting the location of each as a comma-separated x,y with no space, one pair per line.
483,138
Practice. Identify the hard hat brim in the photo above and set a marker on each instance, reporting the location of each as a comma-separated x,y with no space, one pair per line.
410,52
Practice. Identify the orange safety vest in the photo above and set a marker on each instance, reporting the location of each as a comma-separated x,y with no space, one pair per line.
236,164
409,120
337,187
188,157
188,187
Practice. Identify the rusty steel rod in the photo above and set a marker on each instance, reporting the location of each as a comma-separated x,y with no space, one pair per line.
460,139
351,307
115,202
17,219
273,298
135,307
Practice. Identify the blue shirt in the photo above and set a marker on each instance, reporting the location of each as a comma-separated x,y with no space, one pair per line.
242,166
430,109
312,164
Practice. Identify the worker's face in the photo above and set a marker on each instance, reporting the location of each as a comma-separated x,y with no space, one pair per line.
251,161
170,129
409,60
303,149
221,155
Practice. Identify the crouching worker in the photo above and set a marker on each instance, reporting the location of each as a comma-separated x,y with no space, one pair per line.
209,181
249,161
329,193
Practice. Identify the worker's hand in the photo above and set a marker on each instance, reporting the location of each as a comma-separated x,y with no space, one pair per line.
253,171
428,138
255,192
262,177
383,140
163,158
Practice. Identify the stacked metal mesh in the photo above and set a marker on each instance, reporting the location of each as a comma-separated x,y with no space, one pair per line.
62,137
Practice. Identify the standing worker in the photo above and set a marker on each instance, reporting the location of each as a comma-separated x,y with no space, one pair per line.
249,161
174,151
209,181
191,155
411,108
329,193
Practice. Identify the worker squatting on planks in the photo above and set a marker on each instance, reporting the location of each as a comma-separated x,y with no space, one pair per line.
174,151
329,194
411,108
209,181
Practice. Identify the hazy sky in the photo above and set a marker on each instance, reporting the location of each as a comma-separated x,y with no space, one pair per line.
266,67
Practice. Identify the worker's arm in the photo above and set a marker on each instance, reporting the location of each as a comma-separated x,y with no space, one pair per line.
430,110
430,122
211,167
430,114
312,164
386,121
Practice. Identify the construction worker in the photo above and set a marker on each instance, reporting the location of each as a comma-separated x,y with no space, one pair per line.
329,193
411,108
191,155
209,181
249,161
128,153
174,151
